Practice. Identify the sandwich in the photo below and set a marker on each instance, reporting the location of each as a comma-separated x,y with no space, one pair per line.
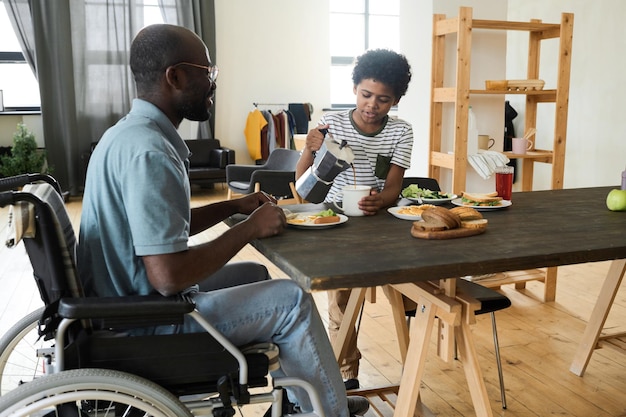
323,217
478,199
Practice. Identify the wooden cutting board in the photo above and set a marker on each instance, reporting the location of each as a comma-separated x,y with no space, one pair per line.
446,234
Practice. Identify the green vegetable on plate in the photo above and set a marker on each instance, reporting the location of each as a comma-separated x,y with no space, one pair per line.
326,213
413,191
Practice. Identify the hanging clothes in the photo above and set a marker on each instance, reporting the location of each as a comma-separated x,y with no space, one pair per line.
509,133
268,129
302,114
254,123
279,124
268,143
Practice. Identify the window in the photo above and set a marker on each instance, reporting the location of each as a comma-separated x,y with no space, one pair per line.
355,26
17,81
20,90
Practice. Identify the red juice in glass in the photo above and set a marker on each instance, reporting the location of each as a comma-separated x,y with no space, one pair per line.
504,182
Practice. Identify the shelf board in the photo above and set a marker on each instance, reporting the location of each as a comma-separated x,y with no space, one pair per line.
536,155
441,159
507,25
447,160
449,94
548,93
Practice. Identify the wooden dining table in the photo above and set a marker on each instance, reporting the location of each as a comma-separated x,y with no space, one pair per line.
540,229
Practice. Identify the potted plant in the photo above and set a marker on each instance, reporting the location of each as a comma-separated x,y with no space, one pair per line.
24,158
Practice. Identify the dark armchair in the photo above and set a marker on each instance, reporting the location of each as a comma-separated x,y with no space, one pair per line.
208,161
275,177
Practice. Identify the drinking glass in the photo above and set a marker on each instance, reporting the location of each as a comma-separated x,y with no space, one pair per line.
504,181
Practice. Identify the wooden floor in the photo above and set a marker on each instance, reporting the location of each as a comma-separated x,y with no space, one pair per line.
538,340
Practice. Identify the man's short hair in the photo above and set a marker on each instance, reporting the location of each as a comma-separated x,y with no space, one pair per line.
155,48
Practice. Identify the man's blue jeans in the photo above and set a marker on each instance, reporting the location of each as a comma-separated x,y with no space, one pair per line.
281,312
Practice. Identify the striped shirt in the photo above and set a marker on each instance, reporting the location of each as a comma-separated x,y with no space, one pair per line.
394,140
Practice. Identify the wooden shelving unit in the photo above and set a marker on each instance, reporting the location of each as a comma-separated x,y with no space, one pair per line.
458,96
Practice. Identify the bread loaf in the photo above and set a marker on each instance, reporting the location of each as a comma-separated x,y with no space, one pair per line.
466,213
430,226
442,215
474,224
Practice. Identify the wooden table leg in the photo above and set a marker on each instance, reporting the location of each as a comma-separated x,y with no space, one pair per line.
346,329
598,316
549,284
399,320
432,306
473,374
420,333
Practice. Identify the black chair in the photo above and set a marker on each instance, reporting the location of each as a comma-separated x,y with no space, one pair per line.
422,182
103,357
275,177
490,300
208,161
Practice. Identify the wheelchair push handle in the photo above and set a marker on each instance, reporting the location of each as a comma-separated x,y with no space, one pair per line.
17,181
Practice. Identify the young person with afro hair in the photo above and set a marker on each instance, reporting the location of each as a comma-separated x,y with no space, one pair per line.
382,148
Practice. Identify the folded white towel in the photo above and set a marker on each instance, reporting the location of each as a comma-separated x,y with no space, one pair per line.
486,162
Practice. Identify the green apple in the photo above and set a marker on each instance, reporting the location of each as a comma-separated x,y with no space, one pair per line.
616,200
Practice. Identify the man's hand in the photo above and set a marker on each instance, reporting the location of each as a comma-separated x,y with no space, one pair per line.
269,220
251,202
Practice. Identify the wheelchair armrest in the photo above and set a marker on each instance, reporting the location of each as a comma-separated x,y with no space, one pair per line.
132,307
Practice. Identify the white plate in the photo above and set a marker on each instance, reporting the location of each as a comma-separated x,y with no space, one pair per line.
342,219
395,211
433,201
505,203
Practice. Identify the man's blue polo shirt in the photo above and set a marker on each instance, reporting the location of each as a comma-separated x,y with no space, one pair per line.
136,202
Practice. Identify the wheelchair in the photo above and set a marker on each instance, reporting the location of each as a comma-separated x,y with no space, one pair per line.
90,361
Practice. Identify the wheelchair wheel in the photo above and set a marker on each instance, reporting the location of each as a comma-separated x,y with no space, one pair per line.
18,353
91,393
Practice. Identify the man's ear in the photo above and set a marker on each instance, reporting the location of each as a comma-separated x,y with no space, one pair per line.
174,77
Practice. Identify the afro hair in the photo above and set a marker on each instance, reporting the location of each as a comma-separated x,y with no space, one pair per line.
385,66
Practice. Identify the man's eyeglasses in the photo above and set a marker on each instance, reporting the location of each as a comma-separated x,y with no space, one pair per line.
212,72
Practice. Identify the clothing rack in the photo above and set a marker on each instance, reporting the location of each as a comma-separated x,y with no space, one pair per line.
278,128
285,105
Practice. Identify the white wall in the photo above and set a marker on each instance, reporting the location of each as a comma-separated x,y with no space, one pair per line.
274,51
596,145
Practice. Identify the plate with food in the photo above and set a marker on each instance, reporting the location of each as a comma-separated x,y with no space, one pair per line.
480,201
408,212
315,220
424,195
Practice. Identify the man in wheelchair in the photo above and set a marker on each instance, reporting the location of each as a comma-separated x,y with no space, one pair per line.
137,220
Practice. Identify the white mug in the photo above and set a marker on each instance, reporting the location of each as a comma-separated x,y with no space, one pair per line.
521,145
352,194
